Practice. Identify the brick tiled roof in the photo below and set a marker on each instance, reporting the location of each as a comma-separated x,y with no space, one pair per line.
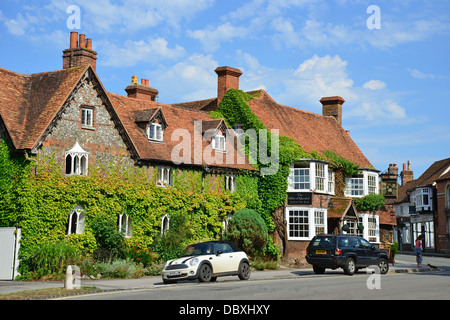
311,131
176,118
28,103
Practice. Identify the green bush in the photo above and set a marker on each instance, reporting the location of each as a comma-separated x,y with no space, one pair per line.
49,260
110,241
124,269
248,230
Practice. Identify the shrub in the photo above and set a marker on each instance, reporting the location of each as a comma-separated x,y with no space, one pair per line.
48,260
110,241
120,269
248,230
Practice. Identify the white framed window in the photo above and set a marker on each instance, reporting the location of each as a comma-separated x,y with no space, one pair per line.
76,161
305,222
299,179
75,223
164,178
230,182
330,181
87,117
320,176
354,187
371,223
124,224
319,221
218,142
423,201
155,132
372,184
165,224
312,176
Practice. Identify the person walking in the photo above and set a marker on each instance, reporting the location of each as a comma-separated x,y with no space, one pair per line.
418,250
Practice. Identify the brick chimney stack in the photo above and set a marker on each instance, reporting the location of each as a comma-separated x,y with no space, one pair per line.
332,106
141,91
80,52
228,78
406,175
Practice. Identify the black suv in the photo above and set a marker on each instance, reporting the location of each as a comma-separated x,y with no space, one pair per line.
348,252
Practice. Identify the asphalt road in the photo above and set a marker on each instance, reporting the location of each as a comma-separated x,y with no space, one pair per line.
330,286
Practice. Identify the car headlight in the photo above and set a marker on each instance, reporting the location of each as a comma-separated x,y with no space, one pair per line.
165,265
194,262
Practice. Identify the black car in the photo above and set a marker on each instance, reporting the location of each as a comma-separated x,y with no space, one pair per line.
348,252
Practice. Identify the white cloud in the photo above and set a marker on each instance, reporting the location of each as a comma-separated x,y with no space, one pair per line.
420,75
134,52
374,85
211,37
190,80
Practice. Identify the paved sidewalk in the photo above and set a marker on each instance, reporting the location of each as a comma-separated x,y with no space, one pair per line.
155,281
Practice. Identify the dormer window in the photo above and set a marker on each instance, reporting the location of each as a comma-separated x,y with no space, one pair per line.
152,123
155,132
218,142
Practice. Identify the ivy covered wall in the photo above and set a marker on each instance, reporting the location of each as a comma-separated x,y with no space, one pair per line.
36,197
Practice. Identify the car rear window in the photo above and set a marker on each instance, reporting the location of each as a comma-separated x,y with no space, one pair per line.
324,242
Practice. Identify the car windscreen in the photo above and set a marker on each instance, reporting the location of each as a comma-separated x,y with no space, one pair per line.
324,242
199,249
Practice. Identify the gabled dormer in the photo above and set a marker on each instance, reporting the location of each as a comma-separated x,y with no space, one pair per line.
215,131
152,122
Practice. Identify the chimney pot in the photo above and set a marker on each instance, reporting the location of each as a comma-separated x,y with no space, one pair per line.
73,39
89,43
78,55
134,79
82,41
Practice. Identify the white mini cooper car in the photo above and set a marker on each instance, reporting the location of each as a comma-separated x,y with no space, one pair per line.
206,261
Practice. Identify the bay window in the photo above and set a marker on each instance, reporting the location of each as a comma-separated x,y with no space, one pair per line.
311,176
423,199
362,184
305,222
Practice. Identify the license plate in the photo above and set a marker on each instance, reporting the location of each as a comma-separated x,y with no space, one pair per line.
321,251
174,273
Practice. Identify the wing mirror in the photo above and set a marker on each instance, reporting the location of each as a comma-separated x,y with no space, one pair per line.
218,253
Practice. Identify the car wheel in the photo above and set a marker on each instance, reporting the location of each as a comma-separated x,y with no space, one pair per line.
384,266
244,271
318,270
350,267
205,273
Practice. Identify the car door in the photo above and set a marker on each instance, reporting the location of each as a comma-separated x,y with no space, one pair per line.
371,254
361,252
225,260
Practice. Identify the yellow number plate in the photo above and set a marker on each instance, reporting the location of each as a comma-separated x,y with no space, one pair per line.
321,251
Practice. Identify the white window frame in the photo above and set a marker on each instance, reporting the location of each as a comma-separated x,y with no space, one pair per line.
230,182
87,117
313,177
124,224
79,160
77,219
362,185
371,223
315,218
422,194
165,176
219,142
155,132
165,224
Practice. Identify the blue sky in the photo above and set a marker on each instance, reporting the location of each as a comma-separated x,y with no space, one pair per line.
395,79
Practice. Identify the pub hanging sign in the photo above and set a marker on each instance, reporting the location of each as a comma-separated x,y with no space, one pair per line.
295,198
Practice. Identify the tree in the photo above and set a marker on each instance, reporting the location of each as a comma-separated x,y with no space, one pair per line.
248,230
